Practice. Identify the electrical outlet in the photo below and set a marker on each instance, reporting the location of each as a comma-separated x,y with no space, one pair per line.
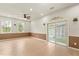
75,43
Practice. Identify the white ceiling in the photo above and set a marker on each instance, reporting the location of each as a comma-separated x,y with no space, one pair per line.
18,9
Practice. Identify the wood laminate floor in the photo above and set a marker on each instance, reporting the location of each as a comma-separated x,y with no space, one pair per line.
30,46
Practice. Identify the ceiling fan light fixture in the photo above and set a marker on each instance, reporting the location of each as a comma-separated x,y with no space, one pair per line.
27,16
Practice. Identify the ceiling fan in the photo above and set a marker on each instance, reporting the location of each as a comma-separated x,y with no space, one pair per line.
27,16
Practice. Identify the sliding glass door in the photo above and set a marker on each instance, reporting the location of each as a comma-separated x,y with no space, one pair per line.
58,33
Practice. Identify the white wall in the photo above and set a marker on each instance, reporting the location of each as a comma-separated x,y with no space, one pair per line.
68,14
28,27
38,27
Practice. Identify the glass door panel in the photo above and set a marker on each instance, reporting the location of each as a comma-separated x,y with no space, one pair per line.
51,32
61,36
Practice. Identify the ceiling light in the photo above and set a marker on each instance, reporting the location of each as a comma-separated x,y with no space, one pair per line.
30,9
41,14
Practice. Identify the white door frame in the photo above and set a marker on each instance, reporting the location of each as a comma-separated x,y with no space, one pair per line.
67,32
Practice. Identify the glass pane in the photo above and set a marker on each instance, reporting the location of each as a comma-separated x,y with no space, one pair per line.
20,27
51,32
6,26
61,36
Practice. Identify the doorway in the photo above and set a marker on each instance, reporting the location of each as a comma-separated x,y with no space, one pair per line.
58,32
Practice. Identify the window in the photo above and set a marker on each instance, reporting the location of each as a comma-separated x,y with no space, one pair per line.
5,26
10,25
20,27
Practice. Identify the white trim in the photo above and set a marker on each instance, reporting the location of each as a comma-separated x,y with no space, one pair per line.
61,43
67,33
58,43
52,41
